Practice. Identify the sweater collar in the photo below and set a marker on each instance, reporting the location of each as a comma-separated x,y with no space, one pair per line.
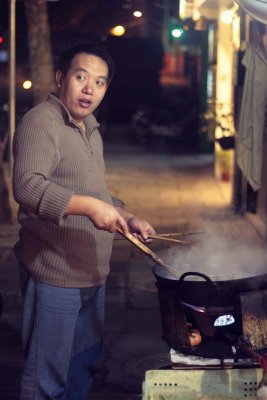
90,122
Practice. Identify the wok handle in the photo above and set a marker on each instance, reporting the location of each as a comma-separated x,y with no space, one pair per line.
200,274
149,253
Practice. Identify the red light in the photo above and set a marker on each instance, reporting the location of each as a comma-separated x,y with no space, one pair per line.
1,39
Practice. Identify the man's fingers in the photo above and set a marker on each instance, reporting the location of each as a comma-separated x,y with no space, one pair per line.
144,234
122,225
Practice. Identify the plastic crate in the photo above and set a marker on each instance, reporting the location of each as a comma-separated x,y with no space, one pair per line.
213,384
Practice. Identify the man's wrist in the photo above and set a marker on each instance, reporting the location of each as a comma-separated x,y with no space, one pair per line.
126,215
130,218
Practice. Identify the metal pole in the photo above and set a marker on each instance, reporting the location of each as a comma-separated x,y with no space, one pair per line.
12,78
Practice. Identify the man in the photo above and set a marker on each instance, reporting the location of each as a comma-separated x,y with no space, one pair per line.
68,220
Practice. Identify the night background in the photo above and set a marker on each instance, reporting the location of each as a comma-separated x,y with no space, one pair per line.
146,78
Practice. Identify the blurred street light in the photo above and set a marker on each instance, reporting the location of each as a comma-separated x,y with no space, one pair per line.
118,30
137,14
27,85
227,16
177,32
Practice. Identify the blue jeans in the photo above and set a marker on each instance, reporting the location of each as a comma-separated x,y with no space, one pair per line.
62,336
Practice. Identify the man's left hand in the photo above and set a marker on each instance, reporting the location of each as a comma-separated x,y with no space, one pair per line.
141,229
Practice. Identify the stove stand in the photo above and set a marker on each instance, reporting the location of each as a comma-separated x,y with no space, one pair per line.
202,384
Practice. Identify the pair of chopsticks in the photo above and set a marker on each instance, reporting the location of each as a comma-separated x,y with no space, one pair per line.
169,237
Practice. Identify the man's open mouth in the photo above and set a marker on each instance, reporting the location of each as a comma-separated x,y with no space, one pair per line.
85,102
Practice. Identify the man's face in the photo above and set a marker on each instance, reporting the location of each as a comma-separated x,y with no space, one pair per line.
84,86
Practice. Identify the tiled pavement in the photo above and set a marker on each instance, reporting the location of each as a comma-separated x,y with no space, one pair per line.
176,193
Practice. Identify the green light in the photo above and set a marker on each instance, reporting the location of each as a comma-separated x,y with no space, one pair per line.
177,32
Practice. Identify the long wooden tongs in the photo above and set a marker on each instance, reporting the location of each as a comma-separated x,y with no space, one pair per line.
149,253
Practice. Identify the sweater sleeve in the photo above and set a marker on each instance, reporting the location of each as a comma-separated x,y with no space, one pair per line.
35,155
117,202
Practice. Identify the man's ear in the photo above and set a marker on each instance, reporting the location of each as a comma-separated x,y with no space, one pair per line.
58,78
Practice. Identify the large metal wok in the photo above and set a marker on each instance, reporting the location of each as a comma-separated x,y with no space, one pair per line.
200,299
210,290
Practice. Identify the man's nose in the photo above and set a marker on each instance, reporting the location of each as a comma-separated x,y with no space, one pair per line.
88,88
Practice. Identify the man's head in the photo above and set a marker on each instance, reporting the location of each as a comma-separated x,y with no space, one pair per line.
83,74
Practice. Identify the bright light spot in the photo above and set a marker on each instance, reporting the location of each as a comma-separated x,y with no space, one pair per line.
224,320
182,9
227,16
118,30
137,14
196,15
177,32
1,39
27,85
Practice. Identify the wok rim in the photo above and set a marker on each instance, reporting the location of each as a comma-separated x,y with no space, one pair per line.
213,277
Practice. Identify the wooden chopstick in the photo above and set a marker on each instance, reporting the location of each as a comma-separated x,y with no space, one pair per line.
161,237
179,234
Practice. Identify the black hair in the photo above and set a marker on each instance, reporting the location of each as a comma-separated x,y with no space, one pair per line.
64,61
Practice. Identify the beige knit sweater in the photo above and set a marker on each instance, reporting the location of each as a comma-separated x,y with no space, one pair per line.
54,158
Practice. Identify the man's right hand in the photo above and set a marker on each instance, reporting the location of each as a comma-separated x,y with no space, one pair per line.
103,215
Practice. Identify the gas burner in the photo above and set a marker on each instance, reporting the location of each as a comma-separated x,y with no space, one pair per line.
184,361
180,360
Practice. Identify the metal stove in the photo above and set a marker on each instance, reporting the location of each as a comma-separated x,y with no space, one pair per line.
227,364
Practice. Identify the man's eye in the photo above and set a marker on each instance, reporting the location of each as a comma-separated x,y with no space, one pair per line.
100,83
81,78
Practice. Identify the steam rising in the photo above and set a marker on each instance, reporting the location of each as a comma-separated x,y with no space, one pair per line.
218,255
